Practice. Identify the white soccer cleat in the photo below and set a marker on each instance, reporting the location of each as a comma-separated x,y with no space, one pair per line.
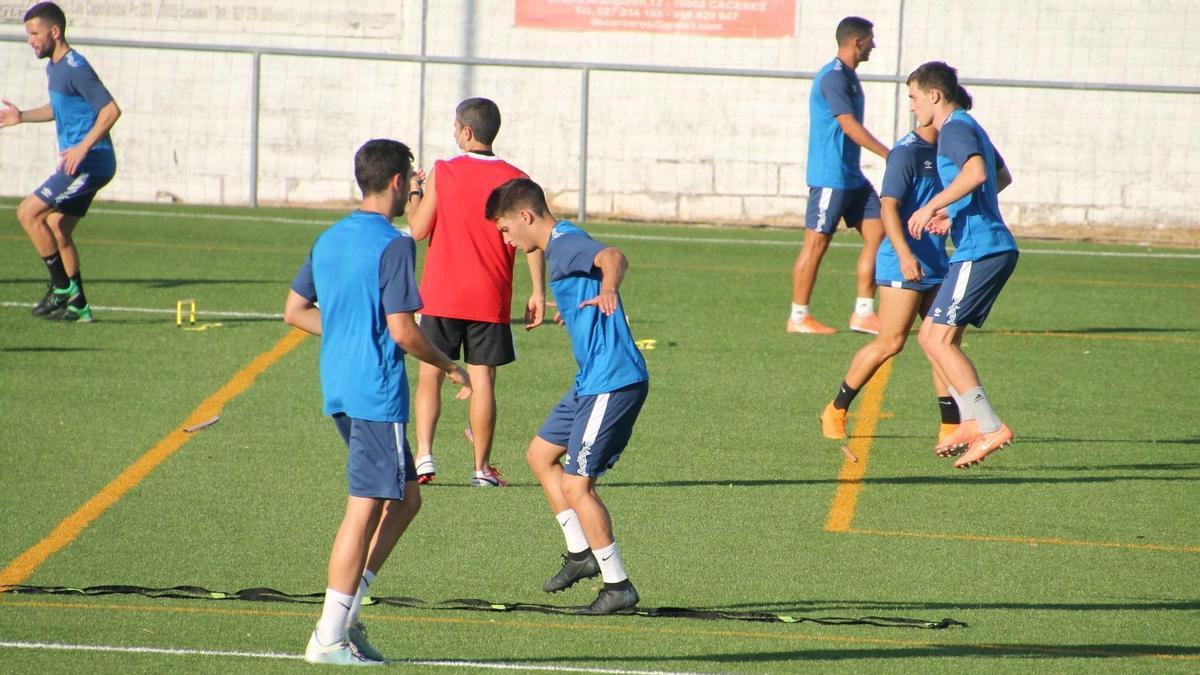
340,654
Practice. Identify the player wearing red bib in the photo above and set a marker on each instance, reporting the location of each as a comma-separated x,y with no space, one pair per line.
466,283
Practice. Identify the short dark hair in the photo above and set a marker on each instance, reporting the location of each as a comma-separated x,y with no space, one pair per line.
944,78
377,161
516,194
482,116
48,12
853,27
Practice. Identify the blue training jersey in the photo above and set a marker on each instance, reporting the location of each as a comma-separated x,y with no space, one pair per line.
76,96
978,229
833,158
603,345
912,179
360,270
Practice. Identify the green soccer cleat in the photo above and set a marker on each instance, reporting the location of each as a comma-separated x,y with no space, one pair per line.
54,301
356,632
72,315
340,654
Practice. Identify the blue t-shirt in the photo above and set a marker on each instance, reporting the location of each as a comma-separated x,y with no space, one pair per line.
360,270
911,178
978,229
76,96
603,345
833,158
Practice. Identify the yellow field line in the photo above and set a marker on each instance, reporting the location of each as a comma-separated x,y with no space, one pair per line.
841,514
1098,336
594,627
25,564
1050,541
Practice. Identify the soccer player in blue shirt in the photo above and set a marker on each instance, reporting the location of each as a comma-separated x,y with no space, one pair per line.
361,272
985,253
83,112
837,188
908,271
592,423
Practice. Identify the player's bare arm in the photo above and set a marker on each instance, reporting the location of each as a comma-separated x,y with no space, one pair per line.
612,264
105,119
535,309
859,134
972,175
894,229
300,312
11,115
404,330
423,204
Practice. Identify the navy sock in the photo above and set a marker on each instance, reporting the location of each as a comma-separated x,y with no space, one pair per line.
58,273
845,396
79,301
949,409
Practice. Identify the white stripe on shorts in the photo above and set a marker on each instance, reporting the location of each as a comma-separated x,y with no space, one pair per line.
823,206
79,182
960,289
398,433
592,430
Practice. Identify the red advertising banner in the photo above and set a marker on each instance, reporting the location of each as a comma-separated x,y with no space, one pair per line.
724,18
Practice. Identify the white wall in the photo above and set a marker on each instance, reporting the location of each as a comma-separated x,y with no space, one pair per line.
661,147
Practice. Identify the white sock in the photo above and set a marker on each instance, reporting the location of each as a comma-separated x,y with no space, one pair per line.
799,312
364,587
982,410
331,629
964,412
572,531
612,570
864,306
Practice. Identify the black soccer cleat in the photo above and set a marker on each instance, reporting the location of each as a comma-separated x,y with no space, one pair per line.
613,598
51,303
572,571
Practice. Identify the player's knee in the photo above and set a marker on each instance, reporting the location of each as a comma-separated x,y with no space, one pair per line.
574,490
892,344
28,213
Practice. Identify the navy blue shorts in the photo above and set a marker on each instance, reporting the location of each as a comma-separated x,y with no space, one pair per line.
380,461
971,288
594,429
918,286
826,206
71,195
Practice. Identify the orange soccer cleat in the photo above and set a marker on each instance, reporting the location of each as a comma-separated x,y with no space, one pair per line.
984,445
809,325
956,442
833,422
865,324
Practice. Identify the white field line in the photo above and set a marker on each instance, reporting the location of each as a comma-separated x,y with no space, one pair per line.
635,237
168,651
155,310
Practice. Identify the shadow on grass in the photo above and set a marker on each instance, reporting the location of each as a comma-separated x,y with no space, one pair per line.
1194,440
154,283
1100,331
908,651
957,477
47,348
799,607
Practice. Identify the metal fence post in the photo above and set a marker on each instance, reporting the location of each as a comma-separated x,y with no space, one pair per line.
584,97
255,70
